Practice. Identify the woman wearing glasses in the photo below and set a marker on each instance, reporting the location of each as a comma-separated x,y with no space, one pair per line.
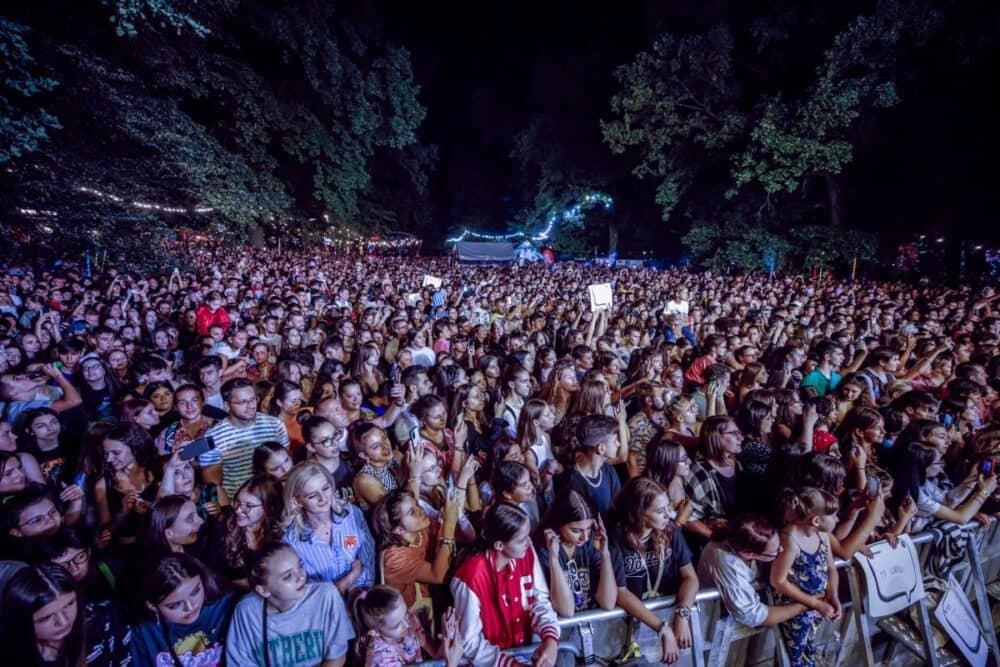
729,563
580,575
254,519
711,486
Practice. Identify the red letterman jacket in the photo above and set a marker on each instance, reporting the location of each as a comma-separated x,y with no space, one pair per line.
500,610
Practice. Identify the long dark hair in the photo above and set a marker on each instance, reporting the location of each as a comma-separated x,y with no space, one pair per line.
30,589
167,574
161,516
567,508
632,502
140,443
267,490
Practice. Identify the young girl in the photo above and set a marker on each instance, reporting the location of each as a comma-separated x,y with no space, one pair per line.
129,483
416,550
46,623
392,637
331,538
501,598
255,519
537,420
513,483
323,447
286,610
804,572
651,559
668,464
189,612
270,458
578,568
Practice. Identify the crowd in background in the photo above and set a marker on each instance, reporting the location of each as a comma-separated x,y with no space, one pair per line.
299,458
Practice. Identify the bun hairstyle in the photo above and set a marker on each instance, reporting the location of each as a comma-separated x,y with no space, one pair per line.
258,570
372,606
387,516
501,523
805,503
748,533
567,508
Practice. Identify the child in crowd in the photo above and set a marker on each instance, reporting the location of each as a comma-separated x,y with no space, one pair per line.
804,571
287,621
391,636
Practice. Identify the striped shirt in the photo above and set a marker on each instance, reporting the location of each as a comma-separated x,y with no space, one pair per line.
349,541
234,447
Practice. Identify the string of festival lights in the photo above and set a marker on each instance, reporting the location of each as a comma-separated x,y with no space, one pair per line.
573,214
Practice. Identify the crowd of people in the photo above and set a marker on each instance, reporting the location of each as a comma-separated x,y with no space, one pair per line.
297,458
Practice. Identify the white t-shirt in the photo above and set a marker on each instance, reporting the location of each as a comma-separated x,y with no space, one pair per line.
734,579
676,307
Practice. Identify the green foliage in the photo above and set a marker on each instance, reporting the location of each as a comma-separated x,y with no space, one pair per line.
813,134
192,113
23,126
129,16
677,110
795,116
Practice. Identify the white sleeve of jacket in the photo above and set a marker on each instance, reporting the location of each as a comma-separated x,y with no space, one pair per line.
475,647
544,621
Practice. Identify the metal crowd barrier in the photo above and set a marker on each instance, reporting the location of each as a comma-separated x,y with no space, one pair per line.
599,636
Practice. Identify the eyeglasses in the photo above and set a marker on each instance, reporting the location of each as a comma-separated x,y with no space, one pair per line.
78,560
249,401
246,507
51,515
736,432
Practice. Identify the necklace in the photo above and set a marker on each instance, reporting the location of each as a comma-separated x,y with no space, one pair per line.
600,477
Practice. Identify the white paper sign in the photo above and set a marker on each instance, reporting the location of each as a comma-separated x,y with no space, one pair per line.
600,296
892,577
411,299
432,281
956,616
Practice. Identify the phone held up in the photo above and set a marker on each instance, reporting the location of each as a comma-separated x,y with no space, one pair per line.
197,448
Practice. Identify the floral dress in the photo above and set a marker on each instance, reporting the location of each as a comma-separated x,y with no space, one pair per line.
383,653
810,572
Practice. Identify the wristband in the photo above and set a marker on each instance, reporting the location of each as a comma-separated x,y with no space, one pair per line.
461,488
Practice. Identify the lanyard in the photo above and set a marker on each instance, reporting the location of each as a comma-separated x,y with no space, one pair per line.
652,590
263,623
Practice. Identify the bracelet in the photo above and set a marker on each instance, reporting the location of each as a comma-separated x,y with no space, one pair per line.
448,542
461,488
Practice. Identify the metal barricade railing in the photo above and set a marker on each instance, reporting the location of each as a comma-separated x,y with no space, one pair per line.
577,633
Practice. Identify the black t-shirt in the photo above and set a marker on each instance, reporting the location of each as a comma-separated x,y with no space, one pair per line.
583,572
599,492
639,572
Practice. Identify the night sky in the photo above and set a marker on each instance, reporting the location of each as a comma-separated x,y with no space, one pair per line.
487,68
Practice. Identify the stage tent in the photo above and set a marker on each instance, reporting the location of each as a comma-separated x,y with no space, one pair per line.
485,251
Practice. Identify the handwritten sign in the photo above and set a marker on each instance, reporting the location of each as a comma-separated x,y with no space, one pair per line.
954,613
431,281
600,296
892,577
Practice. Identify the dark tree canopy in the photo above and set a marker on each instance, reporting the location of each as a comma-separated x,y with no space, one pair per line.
267,113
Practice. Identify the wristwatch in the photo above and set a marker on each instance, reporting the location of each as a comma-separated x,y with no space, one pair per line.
683,612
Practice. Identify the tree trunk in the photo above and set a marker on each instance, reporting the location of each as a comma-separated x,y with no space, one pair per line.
833,199
612,237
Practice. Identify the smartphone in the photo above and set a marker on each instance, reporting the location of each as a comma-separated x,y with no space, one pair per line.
874,484
987,467
35,375
197,448
947,419
415,434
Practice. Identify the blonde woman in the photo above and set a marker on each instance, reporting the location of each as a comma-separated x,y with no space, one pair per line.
330,537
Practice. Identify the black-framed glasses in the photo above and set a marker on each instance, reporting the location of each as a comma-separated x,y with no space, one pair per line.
51,515
78,560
